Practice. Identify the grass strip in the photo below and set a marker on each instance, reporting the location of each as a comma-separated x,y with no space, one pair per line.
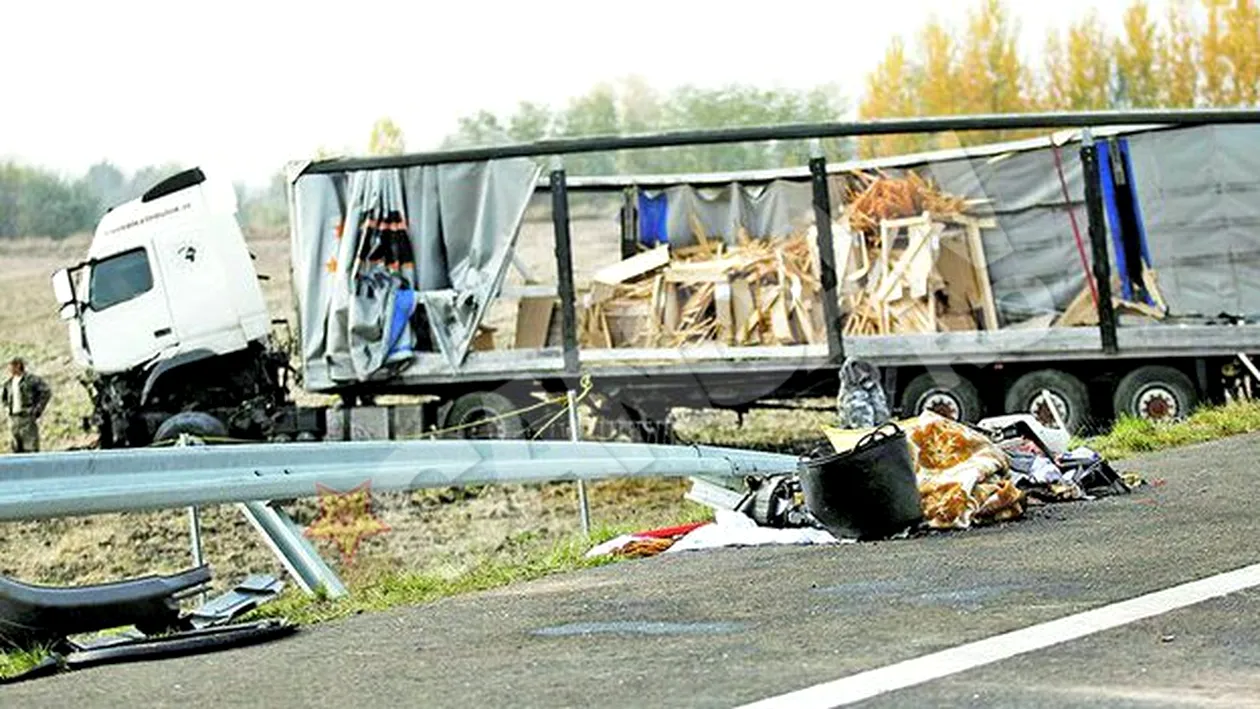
1131,436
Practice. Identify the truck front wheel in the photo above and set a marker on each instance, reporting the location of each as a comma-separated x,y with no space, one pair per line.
194,423
1155,393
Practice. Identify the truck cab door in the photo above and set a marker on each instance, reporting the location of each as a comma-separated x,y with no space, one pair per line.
200,297
125,318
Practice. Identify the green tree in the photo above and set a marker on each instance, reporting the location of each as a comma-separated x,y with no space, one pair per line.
36,202
531,122
386,139
107,183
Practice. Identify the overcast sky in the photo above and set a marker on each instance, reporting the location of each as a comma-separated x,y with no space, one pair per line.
242,87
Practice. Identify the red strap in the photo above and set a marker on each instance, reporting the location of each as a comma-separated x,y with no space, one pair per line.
1076,231
667,532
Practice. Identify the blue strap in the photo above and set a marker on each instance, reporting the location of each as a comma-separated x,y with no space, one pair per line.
653,219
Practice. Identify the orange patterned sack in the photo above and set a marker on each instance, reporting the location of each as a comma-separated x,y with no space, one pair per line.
962,475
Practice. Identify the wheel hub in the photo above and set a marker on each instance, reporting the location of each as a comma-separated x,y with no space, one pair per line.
1041,411
941,403
1157,404
482,423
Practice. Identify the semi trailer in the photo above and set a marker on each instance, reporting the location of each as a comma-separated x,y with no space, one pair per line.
396,260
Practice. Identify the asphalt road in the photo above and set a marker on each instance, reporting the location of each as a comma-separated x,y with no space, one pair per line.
725,627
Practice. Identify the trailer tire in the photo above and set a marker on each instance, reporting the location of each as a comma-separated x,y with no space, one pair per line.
195,423
942,392
477,405
1156,393
1070,392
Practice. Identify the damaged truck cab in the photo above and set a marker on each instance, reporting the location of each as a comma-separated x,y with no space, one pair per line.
168,317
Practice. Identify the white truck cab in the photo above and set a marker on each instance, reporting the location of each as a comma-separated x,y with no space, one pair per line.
167,274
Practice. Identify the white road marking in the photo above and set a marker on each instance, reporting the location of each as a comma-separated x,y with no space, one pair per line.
871,683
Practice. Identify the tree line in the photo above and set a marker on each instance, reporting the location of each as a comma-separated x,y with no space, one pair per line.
1189,53
39,202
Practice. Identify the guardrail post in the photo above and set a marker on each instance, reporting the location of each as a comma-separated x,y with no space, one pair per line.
1098,242
826,252
584,507
564,265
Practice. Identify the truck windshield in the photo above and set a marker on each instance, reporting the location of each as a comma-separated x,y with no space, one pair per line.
119,278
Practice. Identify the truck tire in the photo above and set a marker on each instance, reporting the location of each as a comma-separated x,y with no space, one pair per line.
195,423
479,405
1069,394
942,392
1156,393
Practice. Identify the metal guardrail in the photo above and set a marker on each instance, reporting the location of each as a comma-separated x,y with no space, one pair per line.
46,485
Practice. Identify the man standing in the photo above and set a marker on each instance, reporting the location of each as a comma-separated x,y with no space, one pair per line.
24,397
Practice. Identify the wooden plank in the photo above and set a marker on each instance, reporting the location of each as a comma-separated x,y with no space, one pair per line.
920,220
533,322
918,238
672,310
1080,311
962,290
605,281
723,312
981,263
708,271
743,310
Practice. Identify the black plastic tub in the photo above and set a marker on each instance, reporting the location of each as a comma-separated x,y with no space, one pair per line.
869,492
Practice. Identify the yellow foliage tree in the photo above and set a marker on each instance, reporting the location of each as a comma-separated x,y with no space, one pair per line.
387,138
1241,49
890,93
1078,69
1136,59
1177,57
1214,55
992,78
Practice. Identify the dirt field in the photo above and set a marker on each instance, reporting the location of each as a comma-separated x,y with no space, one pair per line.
433,530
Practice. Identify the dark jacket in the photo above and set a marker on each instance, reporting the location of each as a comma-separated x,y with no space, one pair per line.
35,395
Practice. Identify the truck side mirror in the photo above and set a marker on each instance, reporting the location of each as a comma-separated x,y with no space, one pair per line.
63,290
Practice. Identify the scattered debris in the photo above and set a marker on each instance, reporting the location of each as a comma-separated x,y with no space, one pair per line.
732,528
861,402
641,544
37,617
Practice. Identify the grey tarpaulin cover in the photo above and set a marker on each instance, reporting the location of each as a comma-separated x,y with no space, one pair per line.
1199,195
775,209
1199,190
375,249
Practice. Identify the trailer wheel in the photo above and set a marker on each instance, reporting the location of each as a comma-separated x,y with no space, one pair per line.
1068,395
481,406
194,423
1155,393
944,393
